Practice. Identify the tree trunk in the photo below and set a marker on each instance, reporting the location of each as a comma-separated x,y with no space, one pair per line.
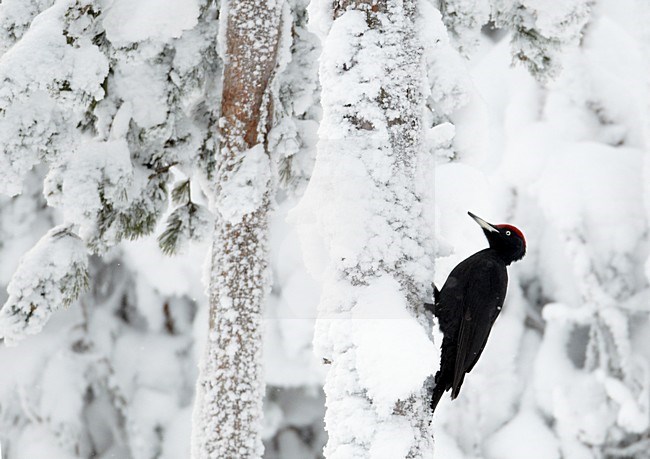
228,408
364,200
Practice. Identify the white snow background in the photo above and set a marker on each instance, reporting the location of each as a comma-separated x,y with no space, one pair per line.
566,372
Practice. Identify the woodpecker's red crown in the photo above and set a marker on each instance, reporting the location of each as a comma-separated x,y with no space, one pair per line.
506,240
514,229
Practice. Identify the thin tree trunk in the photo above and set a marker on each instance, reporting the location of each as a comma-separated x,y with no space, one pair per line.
228,409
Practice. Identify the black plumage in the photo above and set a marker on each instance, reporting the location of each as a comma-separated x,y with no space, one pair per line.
470,302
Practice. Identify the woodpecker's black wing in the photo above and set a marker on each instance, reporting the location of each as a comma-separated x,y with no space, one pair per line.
481,300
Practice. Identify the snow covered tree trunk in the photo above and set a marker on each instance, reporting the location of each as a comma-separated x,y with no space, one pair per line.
363,201
228,407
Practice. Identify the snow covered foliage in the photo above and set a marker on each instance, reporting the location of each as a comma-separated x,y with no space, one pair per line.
108,112
50,275
86,94
464,20
188,221
109,130
46,89
106,106
448,84
541,29
292,140
565,367
16,17
109,379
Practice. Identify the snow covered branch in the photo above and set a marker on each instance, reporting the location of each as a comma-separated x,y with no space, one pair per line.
53,274
542,30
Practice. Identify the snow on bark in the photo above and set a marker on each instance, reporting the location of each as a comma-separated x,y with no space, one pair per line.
364,204
228,407
389,369
246,190
50,275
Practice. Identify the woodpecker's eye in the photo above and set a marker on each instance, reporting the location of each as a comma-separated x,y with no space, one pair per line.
508,233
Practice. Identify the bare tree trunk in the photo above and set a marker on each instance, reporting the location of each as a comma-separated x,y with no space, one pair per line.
228,409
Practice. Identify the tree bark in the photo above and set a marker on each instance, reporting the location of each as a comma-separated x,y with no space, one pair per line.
230,390
365,200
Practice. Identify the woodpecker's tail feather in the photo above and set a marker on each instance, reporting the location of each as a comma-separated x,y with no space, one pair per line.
438,390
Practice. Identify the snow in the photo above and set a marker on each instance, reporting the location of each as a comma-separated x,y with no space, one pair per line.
543,31
49,275
392,441
16,17
561,154
151,410
34,70
464,20
63,375
41,58
551,20
365,210
447,72
633,414
128,22
144,89
178,432
575,192
98,170
540,443
320,18
290,312
446,447
244,191
47,445
394,355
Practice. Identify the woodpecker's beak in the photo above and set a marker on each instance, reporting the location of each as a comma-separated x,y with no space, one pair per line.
483,224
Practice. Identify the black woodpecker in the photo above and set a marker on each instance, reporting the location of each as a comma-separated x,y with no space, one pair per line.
470,302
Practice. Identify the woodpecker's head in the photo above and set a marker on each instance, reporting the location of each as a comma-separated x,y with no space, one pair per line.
507,240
